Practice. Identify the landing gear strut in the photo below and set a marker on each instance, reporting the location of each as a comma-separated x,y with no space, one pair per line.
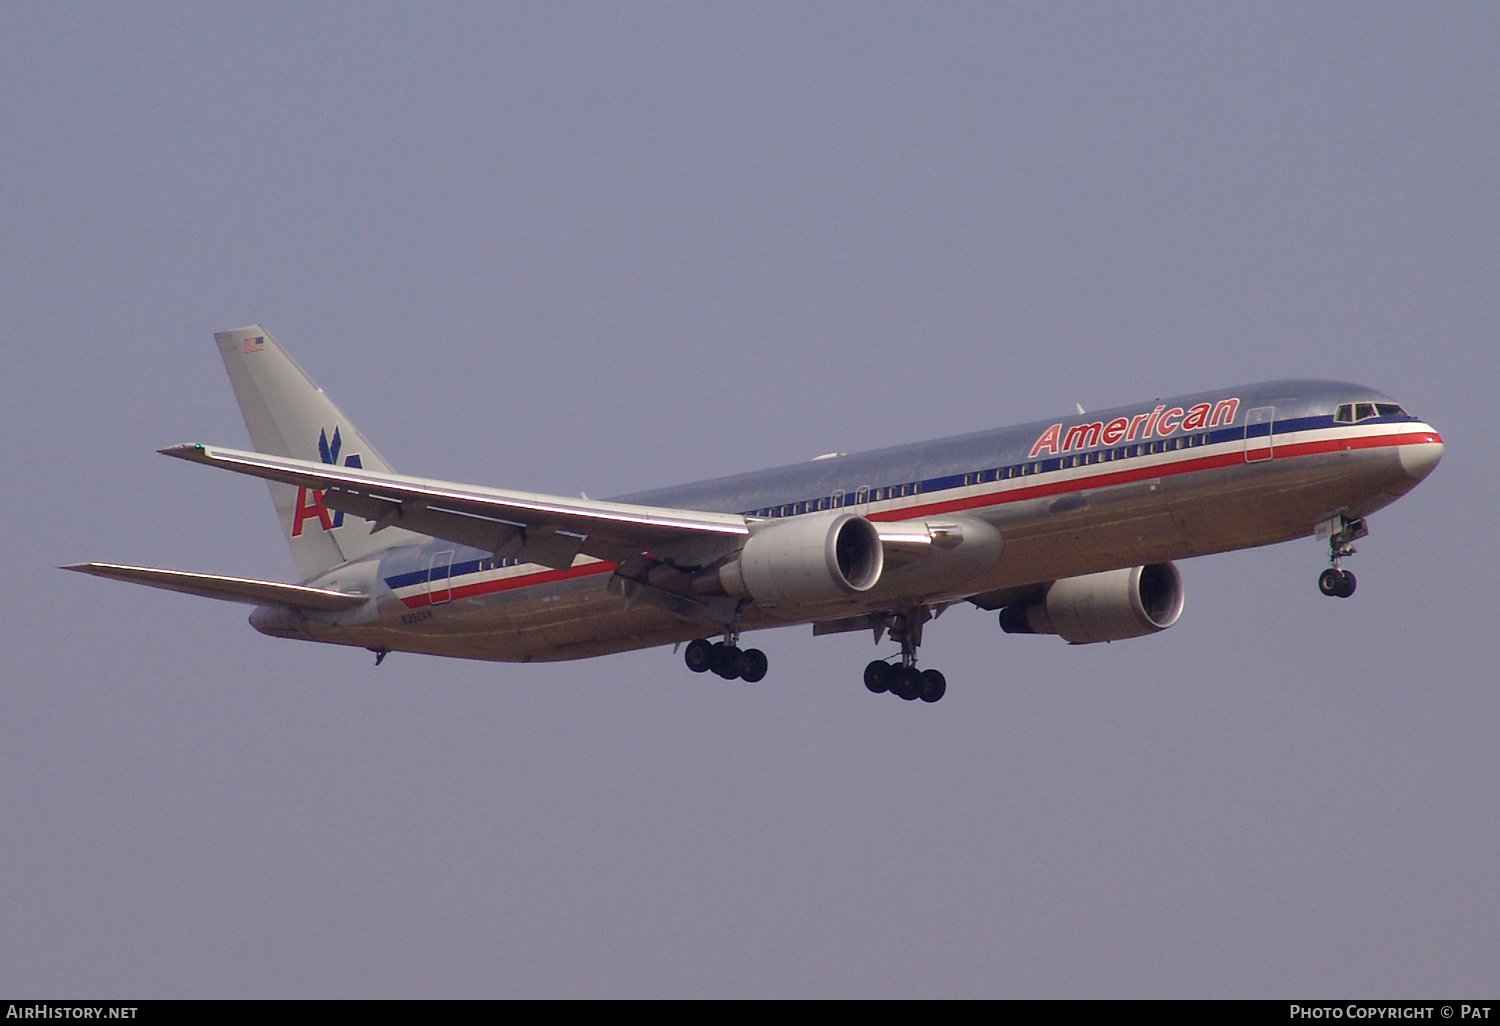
726,659
903,679
1341,533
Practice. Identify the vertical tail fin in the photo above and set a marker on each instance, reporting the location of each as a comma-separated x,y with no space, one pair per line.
288,415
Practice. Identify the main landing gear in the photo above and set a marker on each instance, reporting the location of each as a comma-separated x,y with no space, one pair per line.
903,679
1341,534
726,659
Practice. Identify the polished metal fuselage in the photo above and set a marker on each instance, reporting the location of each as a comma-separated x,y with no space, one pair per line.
1269,472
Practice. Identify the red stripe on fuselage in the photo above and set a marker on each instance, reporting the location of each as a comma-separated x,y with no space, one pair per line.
509,583
1233,458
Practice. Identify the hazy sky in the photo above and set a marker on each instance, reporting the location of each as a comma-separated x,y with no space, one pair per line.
602,248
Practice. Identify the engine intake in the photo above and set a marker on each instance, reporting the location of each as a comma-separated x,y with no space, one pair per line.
806,561
1109,606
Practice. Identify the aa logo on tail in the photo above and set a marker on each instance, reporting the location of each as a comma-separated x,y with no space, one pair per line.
310,500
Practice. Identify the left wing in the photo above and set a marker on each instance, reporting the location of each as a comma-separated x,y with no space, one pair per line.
230,589
543,529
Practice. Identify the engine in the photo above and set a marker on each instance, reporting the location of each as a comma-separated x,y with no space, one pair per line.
1110,606
806,561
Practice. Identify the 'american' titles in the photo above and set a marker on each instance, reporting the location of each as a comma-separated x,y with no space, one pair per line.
1159,423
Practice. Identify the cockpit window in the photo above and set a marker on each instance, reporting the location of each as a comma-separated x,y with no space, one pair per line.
1349,413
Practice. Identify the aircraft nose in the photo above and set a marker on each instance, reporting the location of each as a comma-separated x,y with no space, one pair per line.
1423,453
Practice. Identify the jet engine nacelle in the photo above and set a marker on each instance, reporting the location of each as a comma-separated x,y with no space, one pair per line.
1111,606
806,561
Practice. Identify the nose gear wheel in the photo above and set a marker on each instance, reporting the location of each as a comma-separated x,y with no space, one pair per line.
1342,533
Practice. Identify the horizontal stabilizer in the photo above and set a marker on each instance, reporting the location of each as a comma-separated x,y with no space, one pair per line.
230,589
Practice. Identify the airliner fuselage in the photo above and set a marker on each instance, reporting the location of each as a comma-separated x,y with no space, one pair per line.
1068,526
1061,512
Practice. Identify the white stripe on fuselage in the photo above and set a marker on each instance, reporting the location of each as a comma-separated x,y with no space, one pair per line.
1095,470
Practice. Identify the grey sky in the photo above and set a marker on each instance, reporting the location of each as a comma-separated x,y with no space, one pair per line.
603,248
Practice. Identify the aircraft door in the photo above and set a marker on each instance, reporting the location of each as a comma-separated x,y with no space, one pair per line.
1259,424
439,582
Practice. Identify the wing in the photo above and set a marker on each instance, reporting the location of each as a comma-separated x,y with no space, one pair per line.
543,529
231,589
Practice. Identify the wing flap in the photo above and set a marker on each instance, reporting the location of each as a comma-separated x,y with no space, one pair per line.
229,589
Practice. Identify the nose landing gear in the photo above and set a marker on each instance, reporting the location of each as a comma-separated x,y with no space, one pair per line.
1336,583
1341,533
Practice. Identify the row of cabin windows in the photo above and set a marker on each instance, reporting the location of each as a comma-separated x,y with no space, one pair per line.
499,564
836,501
1351,413
981,476
1125,452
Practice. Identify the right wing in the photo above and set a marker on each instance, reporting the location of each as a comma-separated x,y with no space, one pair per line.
543,529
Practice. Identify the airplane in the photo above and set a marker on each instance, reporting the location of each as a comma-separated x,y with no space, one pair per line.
1066,527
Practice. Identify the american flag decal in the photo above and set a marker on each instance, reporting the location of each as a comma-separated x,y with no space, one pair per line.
256,344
